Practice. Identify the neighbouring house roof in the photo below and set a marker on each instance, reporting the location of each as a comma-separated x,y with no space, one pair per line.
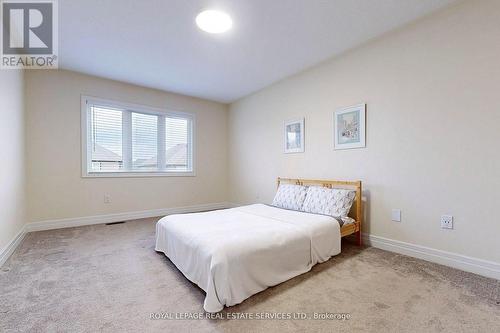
102,154
177,155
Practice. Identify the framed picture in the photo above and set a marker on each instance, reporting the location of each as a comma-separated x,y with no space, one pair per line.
294,136
350,127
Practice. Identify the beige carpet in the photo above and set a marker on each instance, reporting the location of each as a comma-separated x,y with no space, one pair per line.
110,279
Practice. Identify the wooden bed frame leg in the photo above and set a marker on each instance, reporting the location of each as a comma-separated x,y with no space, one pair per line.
359,241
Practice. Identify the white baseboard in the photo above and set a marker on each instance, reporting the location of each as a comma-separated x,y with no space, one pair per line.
473,265
11,246
478,266
117,217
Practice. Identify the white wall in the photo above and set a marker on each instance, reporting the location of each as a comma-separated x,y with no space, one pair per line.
56,189
433,116
12,171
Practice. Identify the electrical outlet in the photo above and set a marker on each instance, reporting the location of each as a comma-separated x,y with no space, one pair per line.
107,199
446,222
396,215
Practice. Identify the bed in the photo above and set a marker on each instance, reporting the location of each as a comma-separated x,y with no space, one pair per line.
235,253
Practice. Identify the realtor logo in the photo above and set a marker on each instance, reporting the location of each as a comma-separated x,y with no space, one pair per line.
29,34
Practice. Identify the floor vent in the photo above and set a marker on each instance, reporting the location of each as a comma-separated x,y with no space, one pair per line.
113,223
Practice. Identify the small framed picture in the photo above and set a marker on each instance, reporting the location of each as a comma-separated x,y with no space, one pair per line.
350,127
294,136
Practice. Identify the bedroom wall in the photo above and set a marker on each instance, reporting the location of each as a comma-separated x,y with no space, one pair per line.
12,168
432,91
57,190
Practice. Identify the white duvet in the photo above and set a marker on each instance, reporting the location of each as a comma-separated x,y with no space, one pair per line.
233,254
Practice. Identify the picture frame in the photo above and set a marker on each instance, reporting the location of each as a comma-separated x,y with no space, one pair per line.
294,136
350,127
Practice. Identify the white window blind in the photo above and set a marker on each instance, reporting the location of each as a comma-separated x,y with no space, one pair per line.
177,143
144,142
106,139
125,140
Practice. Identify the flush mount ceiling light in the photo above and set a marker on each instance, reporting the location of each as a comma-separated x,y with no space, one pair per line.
214,21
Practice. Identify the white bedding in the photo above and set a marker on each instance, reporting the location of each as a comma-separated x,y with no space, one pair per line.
233,254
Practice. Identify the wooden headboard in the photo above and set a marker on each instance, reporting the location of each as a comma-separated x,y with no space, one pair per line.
356,209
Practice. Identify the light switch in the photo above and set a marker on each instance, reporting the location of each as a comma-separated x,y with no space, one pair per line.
396,215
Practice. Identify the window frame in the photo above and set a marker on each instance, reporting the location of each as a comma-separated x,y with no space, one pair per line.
87,101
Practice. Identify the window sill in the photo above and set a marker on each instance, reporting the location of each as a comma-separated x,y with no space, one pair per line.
138,174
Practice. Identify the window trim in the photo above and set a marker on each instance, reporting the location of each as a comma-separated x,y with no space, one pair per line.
85,149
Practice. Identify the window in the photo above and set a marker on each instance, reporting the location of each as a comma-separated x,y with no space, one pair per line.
130,140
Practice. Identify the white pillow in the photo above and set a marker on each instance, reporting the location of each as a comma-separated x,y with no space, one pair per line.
347,220
328,201
290,196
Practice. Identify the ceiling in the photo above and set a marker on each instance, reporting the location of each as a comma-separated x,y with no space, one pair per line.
155,43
